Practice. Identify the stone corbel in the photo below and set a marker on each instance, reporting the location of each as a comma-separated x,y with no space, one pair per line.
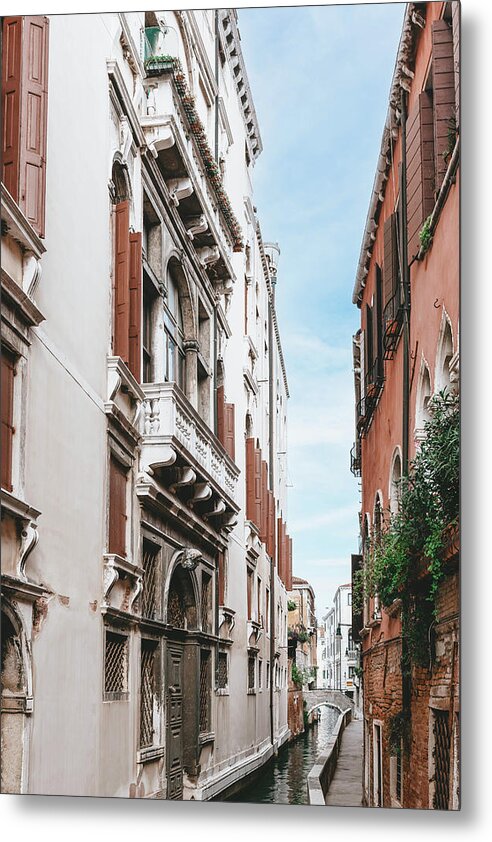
125,138
225,287
202,492
227,618
218,509
164,140
116,567
31,274
188,557
29,539
229,522
156,456
179,188
110,577
196,225
183,476
208,255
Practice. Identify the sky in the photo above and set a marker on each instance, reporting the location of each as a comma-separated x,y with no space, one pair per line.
320,78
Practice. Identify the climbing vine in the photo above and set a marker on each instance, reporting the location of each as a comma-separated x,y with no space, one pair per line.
406,560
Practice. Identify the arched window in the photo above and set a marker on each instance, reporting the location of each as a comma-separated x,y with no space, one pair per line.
173,334
395,484
444,355
424,393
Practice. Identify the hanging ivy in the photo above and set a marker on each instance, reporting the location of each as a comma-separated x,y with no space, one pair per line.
406,562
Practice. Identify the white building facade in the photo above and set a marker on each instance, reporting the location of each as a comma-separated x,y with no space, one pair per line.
144,424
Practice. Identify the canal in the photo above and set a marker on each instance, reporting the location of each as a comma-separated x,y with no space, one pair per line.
284,779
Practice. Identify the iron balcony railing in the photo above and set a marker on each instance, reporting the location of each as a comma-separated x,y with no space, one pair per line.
373,384
392,322
355,459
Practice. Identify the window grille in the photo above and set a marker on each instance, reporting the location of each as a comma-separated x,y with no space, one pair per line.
260,674
147,690
251,672
115,665
149,589
441,759
205,658
222,672
206,602
176,607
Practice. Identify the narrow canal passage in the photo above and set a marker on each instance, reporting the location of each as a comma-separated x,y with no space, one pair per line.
284,779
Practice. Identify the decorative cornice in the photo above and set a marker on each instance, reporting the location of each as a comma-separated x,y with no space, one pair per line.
271,300
25,306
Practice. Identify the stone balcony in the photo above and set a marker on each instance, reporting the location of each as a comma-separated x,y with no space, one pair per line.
183,454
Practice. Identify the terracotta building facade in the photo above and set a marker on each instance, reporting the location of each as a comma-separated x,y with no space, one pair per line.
405,352
145,555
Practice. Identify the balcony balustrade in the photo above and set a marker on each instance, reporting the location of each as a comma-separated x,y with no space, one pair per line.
181,450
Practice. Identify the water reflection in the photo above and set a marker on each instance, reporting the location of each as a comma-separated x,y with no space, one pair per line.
284,780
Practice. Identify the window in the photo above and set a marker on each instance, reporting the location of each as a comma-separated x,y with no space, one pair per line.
267,609
349,598
250,593
25,104
127,273
117,507
206,602
147,692
221,564
115,666
7,395
149,299
205,683
260,674
251,672
258,594
222,671
150,579
441,759
268,675
396,773
173,335
377,765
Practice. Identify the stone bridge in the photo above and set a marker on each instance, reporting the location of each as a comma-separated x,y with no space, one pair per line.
335,698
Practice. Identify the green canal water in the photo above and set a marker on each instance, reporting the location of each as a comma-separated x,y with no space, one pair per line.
284,779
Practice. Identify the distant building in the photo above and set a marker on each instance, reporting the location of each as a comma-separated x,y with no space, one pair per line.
302,630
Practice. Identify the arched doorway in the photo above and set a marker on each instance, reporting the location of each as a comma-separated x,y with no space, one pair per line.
14,686
181,685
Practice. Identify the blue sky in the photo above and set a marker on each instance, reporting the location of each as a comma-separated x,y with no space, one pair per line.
320,78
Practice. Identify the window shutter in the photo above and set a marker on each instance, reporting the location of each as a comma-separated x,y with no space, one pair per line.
121,275
117,508
368,358
7,384
135,328
220,414
289,575
378,311
264,503
285,554
390,264
229,430
280,547
443,85
250,479
11,102
271,525
257,518
34,113
420,169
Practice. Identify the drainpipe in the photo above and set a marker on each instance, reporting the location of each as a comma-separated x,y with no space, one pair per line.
405,280
271,431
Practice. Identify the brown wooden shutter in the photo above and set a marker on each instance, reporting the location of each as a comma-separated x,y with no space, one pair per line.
369,349
34,114
420,169
264,503
390,264
7,385
11,102
250,479
285,538
289,575
280,547
117,507
257,518
444,93
229,430
271,525
378,313
220,414
135,306
221,572
122,285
